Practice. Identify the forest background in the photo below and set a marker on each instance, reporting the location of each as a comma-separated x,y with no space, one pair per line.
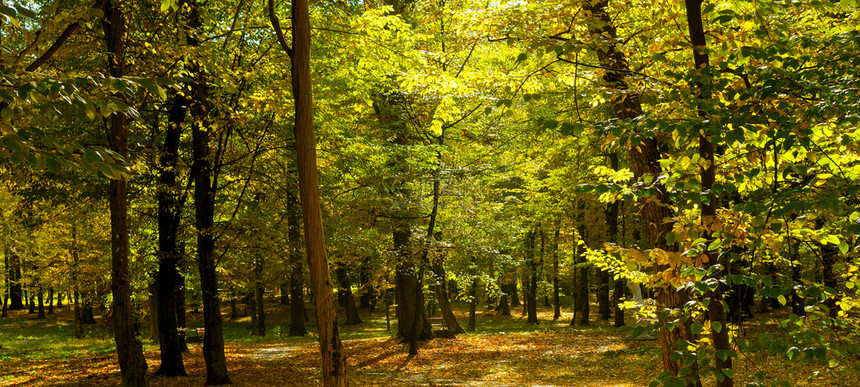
473,151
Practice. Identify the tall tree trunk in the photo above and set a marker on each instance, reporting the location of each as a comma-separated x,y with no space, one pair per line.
603,307
716,311
259,308
514,294
531,301
16,293
345,288
556,287
51,300
331,349
129,349
473,300
368,297
437,270
612,237
171,343
504,308
204,208
79,329
645,162
40,296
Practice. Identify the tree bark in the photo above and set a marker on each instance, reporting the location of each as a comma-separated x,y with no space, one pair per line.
331,348
345,288
204,208
41,298
167,278
129,349
556,286
16,294
716,310
531,295
645,162
259,308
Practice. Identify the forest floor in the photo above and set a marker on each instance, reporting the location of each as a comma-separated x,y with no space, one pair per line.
504,351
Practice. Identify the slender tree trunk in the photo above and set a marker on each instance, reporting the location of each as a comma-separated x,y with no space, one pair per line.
645,162
716,311
612,237
368,297
504,308
79,330
51,300
40,296
204,206
171,342
345,288
129,349
514,294
331,349
259,308
556,287
16,299
532,276
603,307
473,302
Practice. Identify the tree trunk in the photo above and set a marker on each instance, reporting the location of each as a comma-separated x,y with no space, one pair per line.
204,206
514,294
129,349
645,162
504,308
16,299
716,311
259,307
556,288
171,342
473,302
40,296
612,237
331,349
251,304
79,330
51,300
368,297
603,307
531,295
345,288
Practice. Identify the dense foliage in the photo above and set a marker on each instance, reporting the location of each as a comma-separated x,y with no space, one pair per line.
480,148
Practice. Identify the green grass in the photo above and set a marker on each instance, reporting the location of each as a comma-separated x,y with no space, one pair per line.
25,338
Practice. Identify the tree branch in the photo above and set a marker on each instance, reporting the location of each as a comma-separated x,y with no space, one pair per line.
276,25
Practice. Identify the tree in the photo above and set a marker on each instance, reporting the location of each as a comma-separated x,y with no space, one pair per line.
132,363
331,348
716,310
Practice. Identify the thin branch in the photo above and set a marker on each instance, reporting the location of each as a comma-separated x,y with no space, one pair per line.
276,25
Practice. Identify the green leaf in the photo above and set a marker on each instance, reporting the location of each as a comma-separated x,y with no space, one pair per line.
843,247
7,114
696,328
716,326
522,57
7,95
153,88
781,300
